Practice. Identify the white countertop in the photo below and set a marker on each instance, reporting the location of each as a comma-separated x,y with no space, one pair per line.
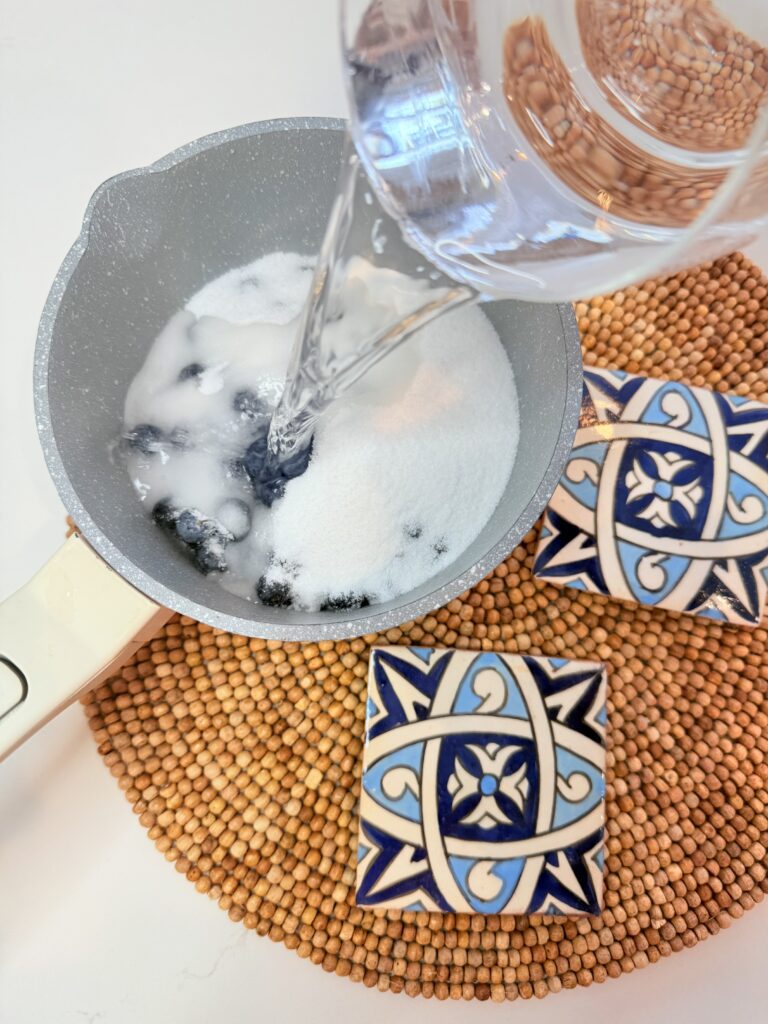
95,927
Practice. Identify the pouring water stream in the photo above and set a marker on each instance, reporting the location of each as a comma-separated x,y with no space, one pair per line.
327,358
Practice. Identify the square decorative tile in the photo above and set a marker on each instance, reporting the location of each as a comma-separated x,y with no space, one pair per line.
483,784
664,499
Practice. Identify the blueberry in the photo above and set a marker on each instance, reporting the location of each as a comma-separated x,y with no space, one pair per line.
255,458
344,602
146,438
440,548
267,475
191,526
209,557
164,514
268,485
249,405
270,490
413,531
296,463
235,516
202,538
190,371
273,593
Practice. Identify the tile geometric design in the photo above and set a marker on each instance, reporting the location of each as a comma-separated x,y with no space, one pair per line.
482,785
664,500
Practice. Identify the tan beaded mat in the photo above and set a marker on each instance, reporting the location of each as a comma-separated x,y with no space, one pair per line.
242,757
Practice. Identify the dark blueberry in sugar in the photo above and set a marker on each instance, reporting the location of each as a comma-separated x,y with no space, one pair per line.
235,516
296,463
344,602
255,458
249,405
274,593
146,438
192,370
192,526
209,557
202,538
270,490
440,548
413,531
268,478
164,514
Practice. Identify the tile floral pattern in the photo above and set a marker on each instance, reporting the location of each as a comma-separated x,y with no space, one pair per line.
482,784
664,500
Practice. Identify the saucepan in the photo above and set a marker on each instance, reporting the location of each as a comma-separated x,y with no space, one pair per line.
150,239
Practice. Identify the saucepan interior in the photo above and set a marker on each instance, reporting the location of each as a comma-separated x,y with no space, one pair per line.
151,239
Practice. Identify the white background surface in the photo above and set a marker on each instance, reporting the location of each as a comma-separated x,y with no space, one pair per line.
95,927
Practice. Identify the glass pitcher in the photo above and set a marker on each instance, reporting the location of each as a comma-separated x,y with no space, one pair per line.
543,150
549,150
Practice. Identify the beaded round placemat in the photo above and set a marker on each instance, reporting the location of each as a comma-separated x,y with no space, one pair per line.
242,757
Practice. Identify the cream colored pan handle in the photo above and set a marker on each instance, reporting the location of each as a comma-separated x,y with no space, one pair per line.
73,624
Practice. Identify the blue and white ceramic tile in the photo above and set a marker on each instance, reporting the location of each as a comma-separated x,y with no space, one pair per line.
482,783
664,500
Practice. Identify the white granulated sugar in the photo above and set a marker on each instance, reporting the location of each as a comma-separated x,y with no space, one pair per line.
407,466
267,291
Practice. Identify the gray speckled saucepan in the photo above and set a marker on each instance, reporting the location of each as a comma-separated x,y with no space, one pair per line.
151,238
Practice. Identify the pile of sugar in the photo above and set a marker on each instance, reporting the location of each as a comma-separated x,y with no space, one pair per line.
406,469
